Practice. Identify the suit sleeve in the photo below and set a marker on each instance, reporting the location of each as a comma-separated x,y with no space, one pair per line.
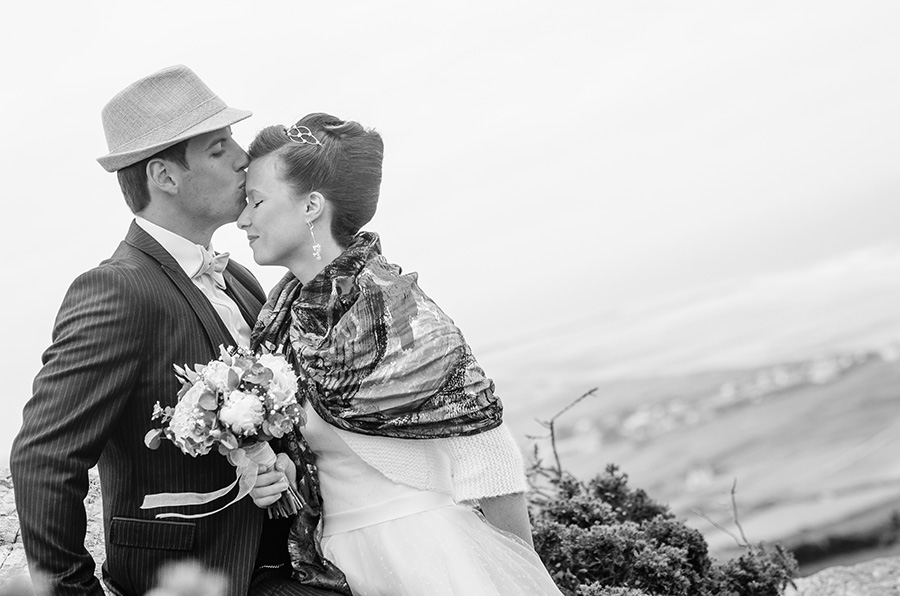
83,386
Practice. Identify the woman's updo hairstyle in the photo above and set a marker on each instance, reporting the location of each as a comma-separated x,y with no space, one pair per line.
341,160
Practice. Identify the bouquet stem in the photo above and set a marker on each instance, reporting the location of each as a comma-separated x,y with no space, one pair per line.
289,504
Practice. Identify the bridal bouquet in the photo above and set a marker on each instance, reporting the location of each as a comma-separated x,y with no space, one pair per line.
236,403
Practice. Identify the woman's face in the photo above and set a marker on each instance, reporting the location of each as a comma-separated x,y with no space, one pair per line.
274,216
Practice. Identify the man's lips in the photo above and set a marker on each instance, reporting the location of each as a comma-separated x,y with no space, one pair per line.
251,239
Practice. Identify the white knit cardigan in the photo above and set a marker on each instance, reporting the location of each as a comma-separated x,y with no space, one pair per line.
488,464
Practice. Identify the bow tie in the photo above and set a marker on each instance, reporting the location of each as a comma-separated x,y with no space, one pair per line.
213,265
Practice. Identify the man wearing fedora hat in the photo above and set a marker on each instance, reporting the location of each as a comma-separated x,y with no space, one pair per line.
163,298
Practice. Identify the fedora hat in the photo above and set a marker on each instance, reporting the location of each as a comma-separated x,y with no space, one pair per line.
159,111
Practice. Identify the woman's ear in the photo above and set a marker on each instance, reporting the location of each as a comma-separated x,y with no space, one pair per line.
315,206
159,176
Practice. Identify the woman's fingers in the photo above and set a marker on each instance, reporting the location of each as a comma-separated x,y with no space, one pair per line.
268,488
284,464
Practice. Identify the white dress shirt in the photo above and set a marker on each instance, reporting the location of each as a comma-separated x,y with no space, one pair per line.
190,259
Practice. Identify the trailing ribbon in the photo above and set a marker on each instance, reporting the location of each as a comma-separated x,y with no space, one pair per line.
247,462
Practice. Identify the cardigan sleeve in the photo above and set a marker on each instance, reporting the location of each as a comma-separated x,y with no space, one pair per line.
488,464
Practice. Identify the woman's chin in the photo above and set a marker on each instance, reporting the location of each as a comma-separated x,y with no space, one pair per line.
258,257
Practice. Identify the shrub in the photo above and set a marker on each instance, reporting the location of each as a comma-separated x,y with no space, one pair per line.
762,571
597,589
602,538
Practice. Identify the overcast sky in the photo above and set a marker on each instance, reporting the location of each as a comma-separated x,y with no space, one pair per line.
543,160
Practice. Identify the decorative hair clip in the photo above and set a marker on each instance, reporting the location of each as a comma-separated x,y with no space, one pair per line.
302,135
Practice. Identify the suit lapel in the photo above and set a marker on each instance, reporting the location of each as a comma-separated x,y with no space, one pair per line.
215,329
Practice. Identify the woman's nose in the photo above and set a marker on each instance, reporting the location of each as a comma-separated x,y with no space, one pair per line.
244,218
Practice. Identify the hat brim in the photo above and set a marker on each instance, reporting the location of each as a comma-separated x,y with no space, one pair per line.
226,117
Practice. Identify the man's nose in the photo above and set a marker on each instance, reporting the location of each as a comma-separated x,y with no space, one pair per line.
243,160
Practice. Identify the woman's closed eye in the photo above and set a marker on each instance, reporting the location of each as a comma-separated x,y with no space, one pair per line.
252,199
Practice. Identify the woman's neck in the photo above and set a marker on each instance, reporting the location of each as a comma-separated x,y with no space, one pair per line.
306,268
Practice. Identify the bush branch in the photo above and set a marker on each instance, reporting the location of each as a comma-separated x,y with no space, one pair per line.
551,426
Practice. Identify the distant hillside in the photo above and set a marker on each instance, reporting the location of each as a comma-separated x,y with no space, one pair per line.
848,304
787,382
810,443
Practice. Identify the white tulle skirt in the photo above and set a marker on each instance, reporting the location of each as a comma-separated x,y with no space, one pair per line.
450,551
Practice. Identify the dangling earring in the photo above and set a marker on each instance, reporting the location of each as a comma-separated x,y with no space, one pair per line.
316,247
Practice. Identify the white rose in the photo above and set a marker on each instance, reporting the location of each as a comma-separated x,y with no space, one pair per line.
283,386
277,364
243,412
216,374
186,418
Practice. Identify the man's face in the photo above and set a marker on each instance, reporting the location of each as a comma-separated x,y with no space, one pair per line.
211,192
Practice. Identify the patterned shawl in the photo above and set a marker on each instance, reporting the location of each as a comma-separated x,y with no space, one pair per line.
374,354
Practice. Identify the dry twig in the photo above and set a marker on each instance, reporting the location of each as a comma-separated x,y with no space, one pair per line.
743,542
551,426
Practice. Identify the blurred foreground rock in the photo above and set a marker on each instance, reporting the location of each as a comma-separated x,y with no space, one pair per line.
12,555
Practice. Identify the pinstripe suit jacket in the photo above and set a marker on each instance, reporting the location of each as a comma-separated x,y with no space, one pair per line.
120,329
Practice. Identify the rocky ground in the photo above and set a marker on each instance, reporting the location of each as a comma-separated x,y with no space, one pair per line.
12,555
879,577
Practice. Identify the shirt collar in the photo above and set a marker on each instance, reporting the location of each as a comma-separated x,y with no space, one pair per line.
185,252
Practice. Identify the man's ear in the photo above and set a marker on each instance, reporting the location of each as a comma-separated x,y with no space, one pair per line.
159,176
